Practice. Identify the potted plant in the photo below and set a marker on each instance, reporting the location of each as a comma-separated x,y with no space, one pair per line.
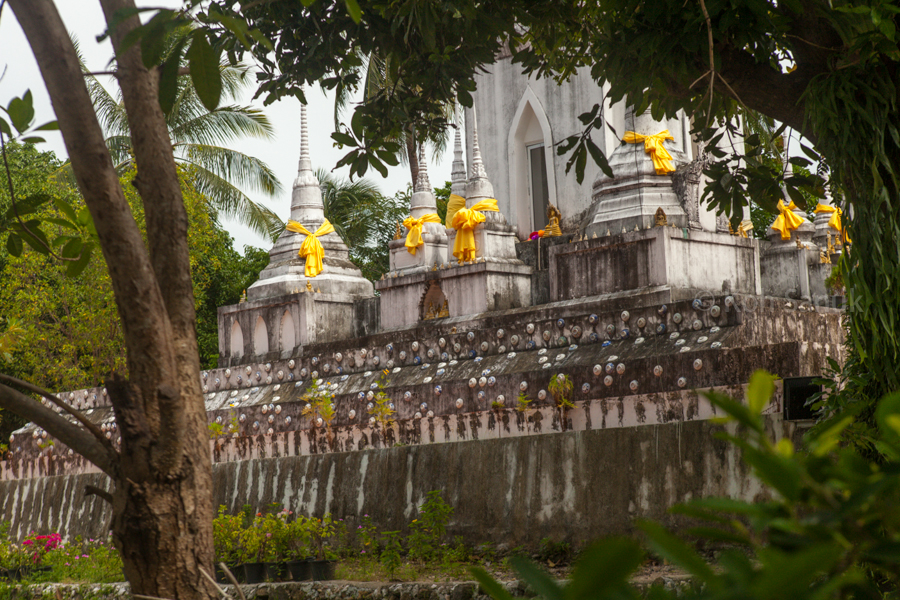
227,531
274,529
321,568
298,540
253,551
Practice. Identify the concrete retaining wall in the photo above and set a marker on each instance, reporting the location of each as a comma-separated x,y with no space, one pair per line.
574,486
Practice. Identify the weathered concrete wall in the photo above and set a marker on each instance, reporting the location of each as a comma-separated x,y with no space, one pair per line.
575,485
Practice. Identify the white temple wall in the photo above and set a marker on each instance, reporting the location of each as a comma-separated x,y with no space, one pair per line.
516,112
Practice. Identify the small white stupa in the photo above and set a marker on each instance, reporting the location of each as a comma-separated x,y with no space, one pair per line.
286,272
433,249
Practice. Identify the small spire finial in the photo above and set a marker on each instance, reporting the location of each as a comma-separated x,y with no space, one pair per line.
477,164
304,133
422,182
305,175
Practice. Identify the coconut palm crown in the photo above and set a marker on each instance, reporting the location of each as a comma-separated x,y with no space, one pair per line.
200,138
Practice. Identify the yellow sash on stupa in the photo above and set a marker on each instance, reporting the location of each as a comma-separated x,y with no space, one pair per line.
453,205
653,145
311,249
464,222
414,237
787,221
835,221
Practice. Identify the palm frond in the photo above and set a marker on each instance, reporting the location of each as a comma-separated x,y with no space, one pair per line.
223,125
231,202
240,170
120,151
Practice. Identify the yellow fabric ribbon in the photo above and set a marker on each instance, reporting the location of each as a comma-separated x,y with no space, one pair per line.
453,205
311,249
464,222
787,221
414,237
835,221
653,145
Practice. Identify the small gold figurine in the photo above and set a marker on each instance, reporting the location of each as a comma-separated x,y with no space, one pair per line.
445,310
309,285
429,314
435,267
661,219
243,297
398,235
824,258
553,216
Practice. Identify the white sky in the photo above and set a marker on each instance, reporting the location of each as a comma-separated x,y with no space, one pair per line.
85,21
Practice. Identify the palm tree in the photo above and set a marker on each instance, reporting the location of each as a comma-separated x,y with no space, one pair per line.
199,139
364,218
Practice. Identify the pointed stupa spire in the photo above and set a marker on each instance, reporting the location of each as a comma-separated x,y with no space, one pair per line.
479,186
458,168
306,198
477,165
422,182
422,201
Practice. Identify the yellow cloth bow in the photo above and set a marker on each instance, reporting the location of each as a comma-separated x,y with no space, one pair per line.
835,221
311,249
414,237
464,222
653,145
787,221
453,205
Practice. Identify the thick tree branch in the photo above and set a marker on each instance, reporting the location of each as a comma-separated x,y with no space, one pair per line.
146,328
55,400
159,186
92,490
70,434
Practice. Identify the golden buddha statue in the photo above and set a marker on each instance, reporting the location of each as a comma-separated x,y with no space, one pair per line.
661,219
553,216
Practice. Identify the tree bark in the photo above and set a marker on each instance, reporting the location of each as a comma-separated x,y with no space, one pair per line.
162,510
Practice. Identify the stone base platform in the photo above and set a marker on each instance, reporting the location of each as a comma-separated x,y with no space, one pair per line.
468,289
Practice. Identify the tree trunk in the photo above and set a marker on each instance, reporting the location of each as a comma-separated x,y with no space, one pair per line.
412,156
162,508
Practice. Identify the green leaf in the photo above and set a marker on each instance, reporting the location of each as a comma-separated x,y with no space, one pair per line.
343,138
599,158
760,390
537,579
14,245
604,566
32,139
888,417
72,248
4,128
35,237
66,209
21,111
76,267
735,410
378,165
354,10
48,126
205,73
168,85
671,548
490,585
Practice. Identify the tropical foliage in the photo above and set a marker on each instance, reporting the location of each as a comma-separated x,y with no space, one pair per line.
364,218
830,530
66,329
203,142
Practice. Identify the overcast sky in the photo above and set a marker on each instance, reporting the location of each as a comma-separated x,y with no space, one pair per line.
85,21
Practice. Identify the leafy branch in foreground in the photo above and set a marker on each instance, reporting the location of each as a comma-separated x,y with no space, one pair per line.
831,530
